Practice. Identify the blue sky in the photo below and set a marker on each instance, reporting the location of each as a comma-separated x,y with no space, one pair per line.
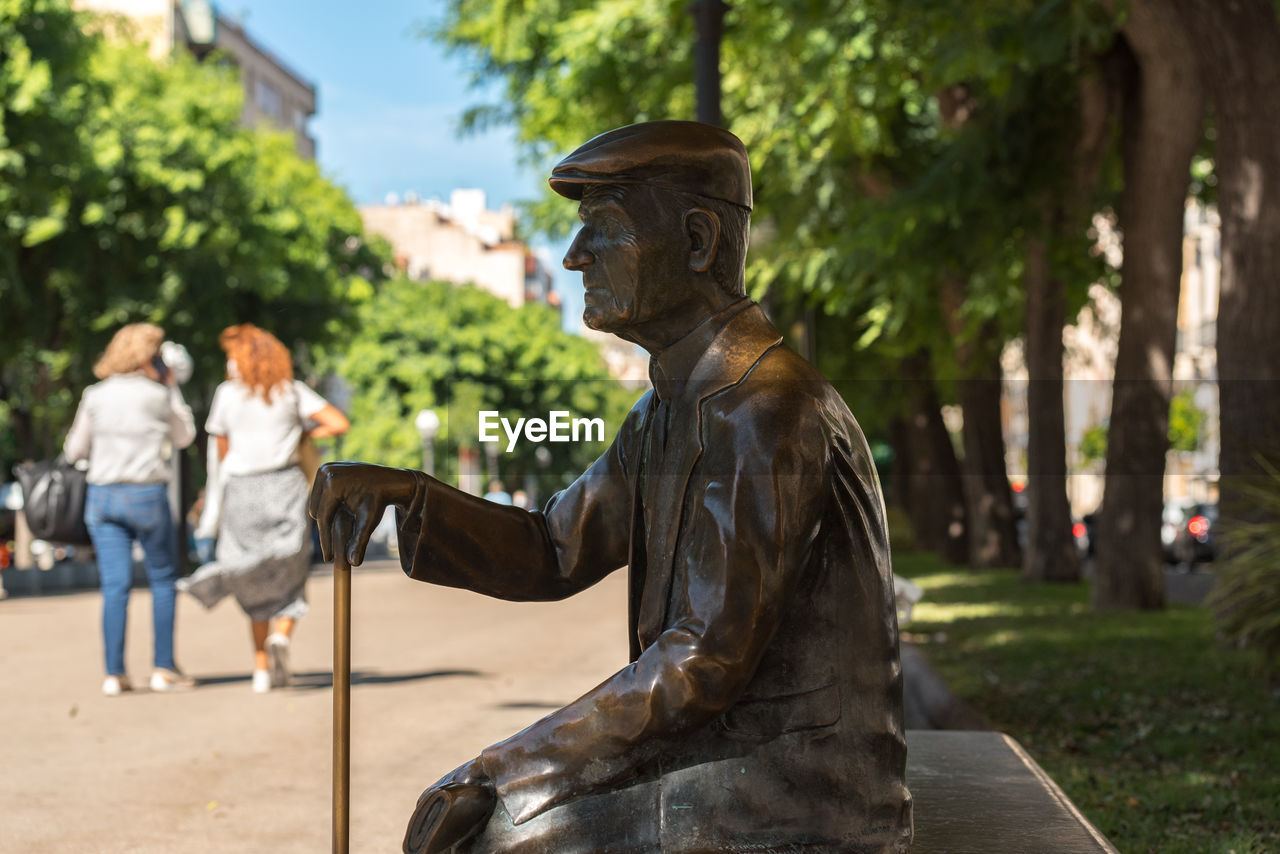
389,103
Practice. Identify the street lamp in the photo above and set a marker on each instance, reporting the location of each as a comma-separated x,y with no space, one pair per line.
428,423
201,23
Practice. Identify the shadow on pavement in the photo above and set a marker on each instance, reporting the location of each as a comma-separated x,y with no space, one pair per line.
324,678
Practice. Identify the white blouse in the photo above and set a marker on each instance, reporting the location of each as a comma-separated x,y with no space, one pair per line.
128,426
261,436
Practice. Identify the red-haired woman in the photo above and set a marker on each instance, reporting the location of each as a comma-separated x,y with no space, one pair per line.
257,418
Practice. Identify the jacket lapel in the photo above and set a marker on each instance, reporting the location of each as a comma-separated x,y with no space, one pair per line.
636,568
743,341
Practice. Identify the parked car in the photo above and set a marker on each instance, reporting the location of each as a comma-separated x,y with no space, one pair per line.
1188,533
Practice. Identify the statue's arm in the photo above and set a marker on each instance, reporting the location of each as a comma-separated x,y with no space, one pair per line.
449,537
741,550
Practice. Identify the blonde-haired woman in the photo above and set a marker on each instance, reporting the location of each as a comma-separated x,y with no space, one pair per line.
128,426
257,418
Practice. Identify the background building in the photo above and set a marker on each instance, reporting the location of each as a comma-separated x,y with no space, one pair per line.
462,242
273,92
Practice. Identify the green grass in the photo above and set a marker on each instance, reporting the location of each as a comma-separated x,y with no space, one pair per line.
1165,739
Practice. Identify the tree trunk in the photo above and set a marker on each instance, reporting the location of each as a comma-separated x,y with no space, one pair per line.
993,533
899,483
1239,47
1163,122
24,434
1051,550
936,495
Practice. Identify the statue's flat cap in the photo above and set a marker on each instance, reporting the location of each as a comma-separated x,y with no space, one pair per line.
688,156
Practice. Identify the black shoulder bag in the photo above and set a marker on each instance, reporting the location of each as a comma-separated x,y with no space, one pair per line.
53,494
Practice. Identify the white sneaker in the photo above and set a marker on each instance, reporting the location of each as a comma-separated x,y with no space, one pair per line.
278,659
164,679
261,681
114,686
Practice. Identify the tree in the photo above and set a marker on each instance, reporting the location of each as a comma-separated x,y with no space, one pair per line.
144,199
1189,52
1237,48
1163,125
45,95
1186,425
992,522
891,149
902,146
459,351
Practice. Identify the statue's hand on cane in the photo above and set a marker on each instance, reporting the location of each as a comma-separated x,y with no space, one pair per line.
347,502
362,492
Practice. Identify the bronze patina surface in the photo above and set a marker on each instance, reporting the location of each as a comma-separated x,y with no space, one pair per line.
762,706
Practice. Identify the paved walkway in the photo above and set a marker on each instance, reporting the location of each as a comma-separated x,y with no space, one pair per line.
439,674
1187,588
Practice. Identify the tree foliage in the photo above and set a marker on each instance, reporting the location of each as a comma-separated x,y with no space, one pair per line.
457,351
867,183
907,158
1093,444
1186,422
133,193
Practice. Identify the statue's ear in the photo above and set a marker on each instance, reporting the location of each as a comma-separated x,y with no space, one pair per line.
703,228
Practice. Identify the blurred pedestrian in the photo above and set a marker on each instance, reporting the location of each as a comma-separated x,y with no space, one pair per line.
497,494
128,427
263,553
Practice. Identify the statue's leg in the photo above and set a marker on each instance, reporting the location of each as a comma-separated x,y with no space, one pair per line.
624,821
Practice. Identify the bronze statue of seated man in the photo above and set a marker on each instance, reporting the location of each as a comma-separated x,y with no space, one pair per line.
761,709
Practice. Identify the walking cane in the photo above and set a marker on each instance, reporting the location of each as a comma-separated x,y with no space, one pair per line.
341,687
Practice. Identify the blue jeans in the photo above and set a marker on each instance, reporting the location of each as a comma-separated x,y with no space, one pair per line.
116,515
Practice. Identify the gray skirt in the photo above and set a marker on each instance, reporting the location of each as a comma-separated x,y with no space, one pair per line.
264,547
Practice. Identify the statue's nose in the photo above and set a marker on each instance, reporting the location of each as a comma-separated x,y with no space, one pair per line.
577,257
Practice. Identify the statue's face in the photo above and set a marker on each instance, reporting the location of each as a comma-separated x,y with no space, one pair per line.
630,253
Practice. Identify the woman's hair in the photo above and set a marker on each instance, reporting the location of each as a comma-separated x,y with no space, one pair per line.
261,361
131,347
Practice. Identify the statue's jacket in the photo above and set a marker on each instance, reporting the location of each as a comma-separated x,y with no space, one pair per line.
764,694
